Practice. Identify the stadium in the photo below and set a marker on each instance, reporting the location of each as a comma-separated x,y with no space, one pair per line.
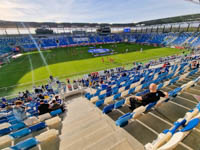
74,77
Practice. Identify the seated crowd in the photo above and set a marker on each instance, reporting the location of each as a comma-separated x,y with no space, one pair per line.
42,100
19,108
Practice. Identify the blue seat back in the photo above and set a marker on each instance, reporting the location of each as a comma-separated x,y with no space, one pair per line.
131,90
119,104
25,145
99,103
123,119
17,126
102,96
37,127
150,106
108,108
20,133
56,112
115,91
160,86
117,96
5,131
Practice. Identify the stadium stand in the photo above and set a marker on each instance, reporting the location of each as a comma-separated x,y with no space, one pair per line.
188,39
44,131
113,103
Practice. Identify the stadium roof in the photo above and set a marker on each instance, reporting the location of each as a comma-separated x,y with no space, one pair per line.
178,19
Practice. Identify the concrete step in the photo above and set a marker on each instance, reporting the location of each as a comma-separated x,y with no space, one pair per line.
83,127
107,142
193,140
124,145
81,118
193,91
140,132
188,96
91,138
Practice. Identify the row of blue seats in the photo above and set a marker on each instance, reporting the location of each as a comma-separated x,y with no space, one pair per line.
16,125
119,104
124,119
170,138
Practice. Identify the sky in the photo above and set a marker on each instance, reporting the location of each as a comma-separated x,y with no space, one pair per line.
94,11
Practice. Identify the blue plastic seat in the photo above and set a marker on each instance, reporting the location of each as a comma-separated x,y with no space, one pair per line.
56,112
160,86
131,91
37,127
108,93
12,122
150,106
102,96
127,87
117,96
25,145
115,91
3,118
17,126
124,119
20,133
3,121
5,131
191,125
99,103
119,104
108,108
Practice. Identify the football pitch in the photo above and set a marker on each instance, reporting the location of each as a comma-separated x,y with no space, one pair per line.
69,62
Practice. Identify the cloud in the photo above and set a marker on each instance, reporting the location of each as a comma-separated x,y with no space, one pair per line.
93,10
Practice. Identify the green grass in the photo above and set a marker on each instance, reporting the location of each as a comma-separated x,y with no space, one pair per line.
69,62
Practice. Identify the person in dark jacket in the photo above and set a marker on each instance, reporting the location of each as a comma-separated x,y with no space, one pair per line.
55,105
43,108
153,96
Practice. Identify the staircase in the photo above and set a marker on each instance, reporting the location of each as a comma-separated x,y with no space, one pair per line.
85,127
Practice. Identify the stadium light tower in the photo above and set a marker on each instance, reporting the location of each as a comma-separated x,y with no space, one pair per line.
194,1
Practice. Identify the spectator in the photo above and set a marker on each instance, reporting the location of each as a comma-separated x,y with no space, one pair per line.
55,105
19,111
3,105
3,99
51,78
43,108
153,96
41,96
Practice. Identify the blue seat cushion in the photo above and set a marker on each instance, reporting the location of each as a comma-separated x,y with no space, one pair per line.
17,126
25,145
20,133
3,121
108,108
56,112
99,103
119,104
5,131
123,119
37,127
11,118
12,122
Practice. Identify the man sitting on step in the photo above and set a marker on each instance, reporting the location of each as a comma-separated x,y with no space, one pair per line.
153,96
